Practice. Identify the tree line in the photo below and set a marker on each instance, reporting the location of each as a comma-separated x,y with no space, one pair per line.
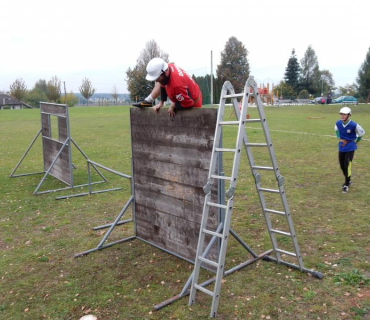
302,79
51,91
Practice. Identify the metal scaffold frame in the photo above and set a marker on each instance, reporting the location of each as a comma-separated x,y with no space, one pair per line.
57,154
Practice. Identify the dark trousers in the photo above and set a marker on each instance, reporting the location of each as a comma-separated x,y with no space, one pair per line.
345,162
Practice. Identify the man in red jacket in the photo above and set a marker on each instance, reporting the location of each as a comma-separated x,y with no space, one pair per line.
174,83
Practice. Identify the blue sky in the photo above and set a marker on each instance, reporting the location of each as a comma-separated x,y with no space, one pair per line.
100,40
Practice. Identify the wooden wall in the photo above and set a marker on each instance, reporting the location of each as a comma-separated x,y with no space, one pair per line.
62,168
171,157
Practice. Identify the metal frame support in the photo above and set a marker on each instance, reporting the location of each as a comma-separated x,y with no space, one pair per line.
111,226
89,162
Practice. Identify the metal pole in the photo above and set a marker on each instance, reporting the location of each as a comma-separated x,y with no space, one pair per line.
51,166
24,155
211,79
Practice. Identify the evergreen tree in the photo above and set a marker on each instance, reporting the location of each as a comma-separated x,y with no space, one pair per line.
234,65
203,84
292,72
363,79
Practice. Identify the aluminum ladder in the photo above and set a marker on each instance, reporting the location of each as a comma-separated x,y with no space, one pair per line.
228,92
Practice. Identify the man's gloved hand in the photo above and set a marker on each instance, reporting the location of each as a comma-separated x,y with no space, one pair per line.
344,142
143,103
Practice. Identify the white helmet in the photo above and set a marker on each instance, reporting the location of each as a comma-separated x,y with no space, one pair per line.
155,67
345,110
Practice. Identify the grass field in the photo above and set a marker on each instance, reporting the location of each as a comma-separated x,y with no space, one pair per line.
40,279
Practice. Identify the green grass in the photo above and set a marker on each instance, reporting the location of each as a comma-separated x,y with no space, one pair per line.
40,279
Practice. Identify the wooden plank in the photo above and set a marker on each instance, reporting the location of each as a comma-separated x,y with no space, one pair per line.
55,109
63,129
173,205
171,157
62,168
171,233
187,175
187,193
194,118
45,125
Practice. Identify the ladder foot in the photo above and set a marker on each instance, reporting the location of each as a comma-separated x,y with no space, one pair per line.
317,274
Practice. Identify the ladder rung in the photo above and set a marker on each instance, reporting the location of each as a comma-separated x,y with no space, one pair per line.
269,190
236,95
229,122
286,252
263,168
225,150
256,144
212,263
283,233
217,205
210,293
252,120
221,177
274,211
212,233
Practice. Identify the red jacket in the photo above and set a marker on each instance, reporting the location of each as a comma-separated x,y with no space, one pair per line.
182,88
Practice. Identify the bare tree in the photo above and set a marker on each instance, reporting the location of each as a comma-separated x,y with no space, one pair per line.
54,91
115,93
18,89
86,89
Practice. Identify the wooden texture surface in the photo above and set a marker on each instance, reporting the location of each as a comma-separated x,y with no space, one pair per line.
55,109
62,169
171,157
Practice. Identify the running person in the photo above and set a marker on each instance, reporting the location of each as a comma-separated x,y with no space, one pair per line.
349,134
174,83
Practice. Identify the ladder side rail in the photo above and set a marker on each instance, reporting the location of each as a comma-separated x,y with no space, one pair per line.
280,180
278,176
200,246
241,116
217,139
256,176
221,260
292,231
261,196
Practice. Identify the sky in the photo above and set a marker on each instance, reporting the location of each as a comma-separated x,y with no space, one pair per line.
100,40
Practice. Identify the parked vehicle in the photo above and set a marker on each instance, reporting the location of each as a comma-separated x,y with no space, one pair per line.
318,100
345,100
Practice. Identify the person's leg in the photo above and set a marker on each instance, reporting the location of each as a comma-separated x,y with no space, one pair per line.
341,157
348,164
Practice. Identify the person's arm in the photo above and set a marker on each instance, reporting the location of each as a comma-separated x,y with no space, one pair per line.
163,99
183,98
360,132
336,131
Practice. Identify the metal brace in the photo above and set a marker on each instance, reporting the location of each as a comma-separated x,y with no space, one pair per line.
257,178
280,180
207,188
230,192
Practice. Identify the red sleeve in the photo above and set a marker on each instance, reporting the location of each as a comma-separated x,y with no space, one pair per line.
182,96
